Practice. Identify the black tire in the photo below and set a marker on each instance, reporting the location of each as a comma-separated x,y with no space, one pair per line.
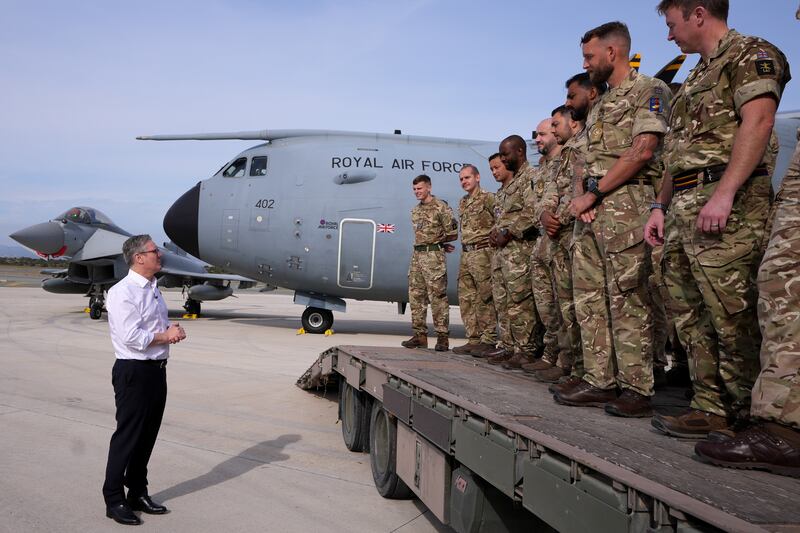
354,414
316,320
383,455
96,311
192,307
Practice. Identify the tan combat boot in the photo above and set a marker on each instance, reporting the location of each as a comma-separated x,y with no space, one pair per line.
417,341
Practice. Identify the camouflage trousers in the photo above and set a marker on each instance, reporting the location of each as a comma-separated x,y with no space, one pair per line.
475,296
499,297
427,284
776,393
546,301
514,298
561,264
663,323
611,266
711,282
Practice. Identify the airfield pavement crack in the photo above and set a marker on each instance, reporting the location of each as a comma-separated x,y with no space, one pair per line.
404,524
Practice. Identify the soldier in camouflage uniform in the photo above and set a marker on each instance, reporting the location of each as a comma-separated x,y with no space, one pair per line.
476,214
776,393
624,138
513,234
582,95
505,344
718,164
558,222
542,275
434,227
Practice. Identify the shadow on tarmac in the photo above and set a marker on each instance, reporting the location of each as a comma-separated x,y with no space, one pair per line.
269,451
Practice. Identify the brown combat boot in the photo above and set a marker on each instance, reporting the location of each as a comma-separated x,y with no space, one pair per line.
539,364
442,343
552,374
517,361
766,446
481,350
695,424
630,404
565,384
499,356
586,395
417,341
466,349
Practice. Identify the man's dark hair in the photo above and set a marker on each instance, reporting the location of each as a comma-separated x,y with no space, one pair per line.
134,245
494,156
516,142
561,110
422,178
586,82
609,29
716,8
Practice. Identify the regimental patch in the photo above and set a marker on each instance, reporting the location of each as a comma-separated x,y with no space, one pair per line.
658,90
655,104
596,133
765,67
539,187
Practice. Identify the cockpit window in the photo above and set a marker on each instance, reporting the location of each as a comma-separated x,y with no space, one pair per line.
85,215
236,169
258,167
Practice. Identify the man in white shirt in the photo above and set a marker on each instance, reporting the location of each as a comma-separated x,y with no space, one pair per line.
141,335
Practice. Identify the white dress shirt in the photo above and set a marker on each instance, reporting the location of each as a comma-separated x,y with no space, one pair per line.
136,312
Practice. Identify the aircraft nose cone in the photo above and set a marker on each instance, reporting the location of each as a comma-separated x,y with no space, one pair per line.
47,237
180,222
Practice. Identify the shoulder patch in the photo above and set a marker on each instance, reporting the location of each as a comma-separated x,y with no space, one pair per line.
765,67
655,104
761,54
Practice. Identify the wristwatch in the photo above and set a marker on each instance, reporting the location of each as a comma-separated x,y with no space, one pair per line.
658,205
591,186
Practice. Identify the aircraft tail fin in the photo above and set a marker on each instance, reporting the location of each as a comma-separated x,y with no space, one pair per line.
667,74
636,61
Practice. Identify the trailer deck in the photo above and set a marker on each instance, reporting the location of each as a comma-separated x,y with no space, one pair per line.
559,460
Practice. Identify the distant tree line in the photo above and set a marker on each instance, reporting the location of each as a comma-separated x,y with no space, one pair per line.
33,262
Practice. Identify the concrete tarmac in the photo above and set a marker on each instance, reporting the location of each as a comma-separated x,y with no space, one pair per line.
241,448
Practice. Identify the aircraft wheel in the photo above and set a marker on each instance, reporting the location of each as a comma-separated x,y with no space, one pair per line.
354,414
383,455
316,320
96,311
192,307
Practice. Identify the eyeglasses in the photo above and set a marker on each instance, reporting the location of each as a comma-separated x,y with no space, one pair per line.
156,251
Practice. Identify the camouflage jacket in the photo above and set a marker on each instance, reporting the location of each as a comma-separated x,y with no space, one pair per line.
640,104
476,214
545,196
513,208
433,222
569,180
706,109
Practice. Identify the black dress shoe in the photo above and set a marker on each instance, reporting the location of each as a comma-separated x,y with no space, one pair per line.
122,514
146,505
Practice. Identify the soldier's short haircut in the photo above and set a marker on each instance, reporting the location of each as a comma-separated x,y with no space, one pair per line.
422,178
584,80
472,168
716,8
134,245
609,29
494,156
516,142
561,110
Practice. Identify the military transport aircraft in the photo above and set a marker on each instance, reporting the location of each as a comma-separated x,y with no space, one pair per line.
93,245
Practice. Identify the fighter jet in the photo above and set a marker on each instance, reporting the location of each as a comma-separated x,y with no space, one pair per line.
92,243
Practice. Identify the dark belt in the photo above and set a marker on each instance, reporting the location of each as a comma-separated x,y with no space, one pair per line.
427,247
160,363
689,179
475,246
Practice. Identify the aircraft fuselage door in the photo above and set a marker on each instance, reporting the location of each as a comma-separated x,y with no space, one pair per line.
356,253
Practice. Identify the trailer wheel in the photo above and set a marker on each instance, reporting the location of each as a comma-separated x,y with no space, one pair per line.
383,455
354,414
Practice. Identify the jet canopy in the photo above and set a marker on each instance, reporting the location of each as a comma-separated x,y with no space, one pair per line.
85,215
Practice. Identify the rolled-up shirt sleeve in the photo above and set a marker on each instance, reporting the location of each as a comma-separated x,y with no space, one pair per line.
126,324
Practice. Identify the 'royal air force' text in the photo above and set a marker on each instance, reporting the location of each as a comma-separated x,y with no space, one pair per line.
400,164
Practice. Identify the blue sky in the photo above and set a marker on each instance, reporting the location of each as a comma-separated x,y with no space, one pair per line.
80,80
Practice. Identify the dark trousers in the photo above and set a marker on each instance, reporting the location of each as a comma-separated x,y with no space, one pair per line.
140,392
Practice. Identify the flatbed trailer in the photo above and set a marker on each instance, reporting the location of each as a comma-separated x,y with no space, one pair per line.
489,450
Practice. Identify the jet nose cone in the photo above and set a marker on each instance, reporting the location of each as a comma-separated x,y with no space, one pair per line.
180,222
46,238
